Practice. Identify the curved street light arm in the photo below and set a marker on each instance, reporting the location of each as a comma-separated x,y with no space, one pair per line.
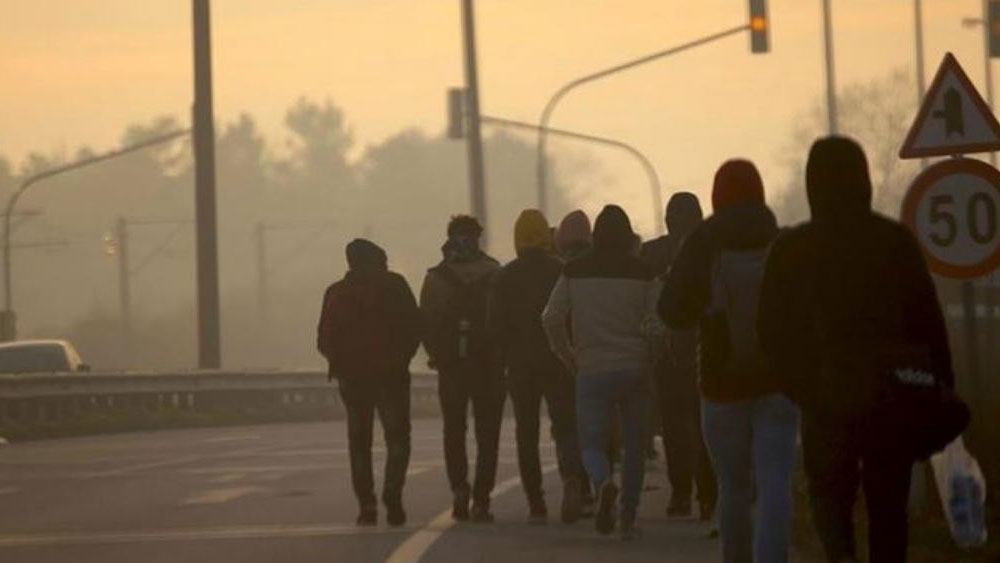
654,178
543,122
28,182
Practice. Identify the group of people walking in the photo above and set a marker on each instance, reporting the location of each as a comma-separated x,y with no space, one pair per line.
747,336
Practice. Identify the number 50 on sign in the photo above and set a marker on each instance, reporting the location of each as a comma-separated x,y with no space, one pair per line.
953,208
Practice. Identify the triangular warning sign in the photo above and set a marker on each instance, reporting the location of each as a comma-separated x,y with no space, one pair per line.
953,118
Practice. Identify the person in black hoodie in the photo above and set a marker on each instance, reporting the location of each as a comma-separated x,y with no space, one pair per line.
369,331
676,376
840,292
520,291
454,302
749,426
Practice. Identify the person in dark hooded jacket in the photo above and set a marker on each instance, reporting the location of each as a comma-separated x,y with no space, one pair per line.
840,292
454,302
609,296
749,426
520,292
676,376
369,331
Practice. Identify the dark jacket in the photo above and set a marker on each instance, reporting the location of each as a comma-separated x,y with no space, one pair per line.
682,217
845,288
391,323
440,295
520,291
687,291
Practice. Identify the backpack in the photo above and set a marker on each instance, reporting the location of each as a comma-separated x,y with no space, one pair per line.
463,335
360,330
735,284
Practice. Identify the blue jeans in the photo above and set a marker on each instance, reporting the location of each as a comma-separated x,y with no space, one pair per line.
752,445
599,396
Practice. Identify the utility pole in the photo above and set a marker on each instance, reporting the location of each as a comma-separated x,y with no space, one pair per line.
263,306
831,81
124,288
474,139
987,38
209,344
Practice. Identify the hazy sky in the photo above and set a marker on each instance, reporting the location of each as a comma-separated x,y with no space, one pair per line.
77,72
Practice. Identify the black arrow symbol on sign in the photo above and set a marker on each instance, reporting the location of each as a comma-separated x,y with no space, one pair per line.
952,113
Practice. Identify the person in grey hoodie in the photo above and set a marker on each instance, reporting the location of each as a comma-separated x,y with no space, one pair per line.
610,297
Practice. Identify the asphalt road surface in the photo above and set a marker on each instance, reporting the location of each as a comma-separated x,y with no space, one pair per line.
282,493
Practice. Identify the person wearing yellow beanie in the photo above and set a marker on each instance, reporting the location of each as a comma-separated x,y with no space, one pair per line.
520,291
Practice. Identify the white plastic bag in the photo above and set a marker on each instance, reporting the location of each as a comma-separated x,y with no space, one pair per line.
962,489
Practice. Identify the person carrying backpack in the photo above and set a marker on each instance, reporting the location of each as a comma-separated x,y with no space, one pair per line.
453,302
749,426
676,376
369,331
609,297
847,303
520,292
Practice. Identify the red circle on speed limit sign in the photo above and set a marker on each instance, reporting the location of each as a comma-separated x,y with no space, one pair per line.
953,208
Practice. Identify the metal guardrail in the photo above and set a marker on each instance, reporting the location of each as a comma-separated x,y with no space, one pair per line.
159,399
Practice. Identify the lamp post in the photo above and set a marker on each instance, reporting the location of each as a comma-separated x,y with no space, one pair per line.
8,319
543,122
831,79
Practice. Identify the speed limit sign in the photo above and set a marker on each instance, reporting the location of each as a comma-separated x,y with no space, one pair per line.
953,208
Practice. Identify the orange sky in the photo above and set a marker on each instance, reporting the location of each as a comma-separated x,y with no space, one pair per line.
77,72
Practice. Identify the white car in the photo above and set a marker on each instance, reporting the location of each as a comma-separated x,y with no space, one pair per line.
40,356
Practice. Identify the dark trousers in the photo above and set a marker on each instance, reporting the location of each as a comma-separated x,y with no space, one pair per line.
391,398
687,458
527,388
483,388
839,458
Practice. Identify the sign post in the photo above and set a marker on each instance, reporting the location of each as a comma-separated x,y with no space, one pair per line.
953,207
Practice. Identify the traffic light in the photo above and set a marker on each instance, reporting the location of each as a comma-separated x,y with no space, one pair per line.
993,28
760,27
456,113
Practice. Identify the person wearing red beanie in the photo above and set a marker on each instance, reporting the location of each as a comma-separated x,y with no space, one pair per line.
749,426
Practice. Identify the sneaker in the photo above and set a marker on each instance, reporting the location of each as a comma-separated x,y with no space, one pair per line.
480,513
368,516
460,505
604,522
679,507
537,510
572,501
629,531
394,514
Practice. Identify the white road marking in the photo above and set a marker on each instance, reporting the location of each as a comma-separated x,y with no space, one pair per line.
239,532
228,478
415,546
222,439
285,468
219,496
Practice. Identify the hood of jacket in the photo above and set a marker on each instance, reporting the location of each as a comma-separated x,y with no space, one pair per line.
573,232
683,214
613,232
838,184
365,256
531,231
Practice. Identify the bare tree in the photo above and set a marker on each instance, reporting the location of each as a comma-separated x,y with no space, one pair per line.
878,115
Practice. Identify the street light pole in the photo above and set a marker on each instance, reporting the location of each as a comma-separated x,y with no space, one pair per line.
989,64
209,341
474,138
831,82
543,122
654,178
263,306
8,320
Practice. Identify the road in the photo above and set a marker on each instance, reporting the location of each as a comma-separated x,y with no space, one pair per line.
282,493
